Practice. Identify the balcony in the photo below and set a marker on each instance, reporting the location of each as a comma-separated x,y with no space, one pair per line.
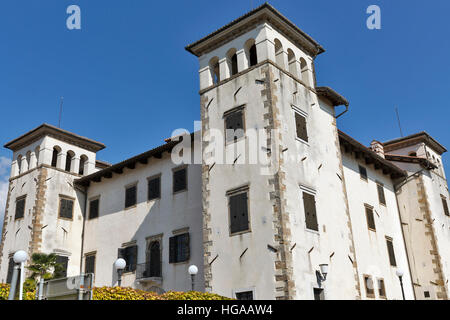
148,273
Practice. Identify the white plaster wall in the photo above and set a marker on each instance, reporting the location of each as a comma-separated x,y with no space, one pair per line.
371,249
116,226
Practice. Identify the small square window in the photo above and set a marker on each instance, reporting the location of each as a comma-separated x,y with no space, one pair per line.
66,208
234,126
130,196
363,172
94,209
180,180
20,208
154,188
245,295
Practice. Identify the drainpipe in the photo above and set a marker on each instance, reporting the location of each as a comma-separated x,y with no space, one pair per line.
84,192
342,113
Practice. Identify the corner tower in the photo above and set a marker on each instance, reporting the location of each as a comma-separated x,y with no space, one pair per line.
269,223
43,210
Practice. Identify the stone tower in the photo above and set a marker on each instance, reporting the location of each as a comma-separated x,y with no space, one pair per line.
273,209
44,209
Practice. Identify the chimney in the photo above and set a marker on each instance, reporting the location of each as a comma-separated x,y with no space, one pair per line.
377,147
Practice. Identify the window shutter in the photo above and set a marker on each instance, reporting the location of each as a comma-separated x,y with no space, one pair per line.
185,247
363,172
172,249
130,196
63,262
239,213
445,205
10,271
381,195
370,218
243,212
390,246
234,121
179,180
154,188
310,211
89,264
66,208
93,209
300,123
132,257
20,209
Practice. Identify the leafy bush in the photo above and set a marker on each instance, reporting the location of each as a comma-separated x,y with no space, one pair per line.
119,293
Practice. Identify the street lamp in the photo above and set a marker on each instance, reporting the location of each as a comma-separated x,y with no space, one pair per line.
322,274
120,265
400,274
19,259
193,270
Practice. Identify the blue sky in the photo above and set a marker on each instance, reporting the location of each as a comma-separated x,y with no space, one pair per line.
128,82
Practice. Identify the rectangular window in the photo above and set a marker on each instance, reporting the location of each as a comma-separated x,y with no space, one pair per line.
445,205
390,248
381,288
368,283
154,188
89,264
10,270
94,208
66,208
179,250
130,196
61,269
370,218
245,295
363,172
234,125
180,180
238,212
129,254
381,195
20,208
319,294
300,126
309,203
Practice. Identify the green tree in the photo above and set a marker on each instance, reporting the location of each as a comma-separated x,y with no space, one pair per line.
43,266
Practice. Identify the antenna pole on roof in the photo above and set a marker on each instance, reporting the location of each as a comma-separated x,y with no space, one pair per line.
399,124
60,112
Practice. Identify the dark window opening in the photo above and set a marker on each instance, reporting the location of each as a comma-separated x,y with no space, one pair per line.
301,129
153,266
253,55
20,208
55,157
154,188
11,265
129,254
381,288
94,209
179,250
427,294
61,268
368,283
246,295
319,294
390,247
234,64
130,196
69,158
445,206
89,264
180,180
309,203
234,126
381,195
370,219
363,172
82,164
66,208
239,221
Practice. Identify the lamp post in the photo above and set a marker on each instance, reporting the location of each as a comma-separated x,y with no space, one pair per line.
400,277
19,258
322,274
120,265
193,270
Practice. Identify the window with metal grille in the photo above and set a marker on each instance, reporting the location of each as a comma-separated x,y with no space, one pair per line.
179,250
368,283
129,254
180,180
89,264
66,208
94,208
390,248
300,126
381,195
234,126
363,172
245,295
309,203
20,208
370,219
445,205
381,288
130,196
238,207
154,188
61,268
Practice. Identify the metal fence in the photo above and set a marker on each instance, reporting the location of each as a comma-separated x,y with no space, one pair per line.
71,288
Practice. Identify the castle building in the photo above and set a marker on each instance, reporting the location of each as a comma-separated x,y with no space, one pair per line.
317,216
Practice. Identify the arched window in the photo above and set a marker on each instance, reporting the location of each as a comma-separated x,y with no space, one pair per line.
37,153
304,70
232,61
252,56
56,151
83,162
69,158
279,58
215,70
292,63
153,266
28,156
19,163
